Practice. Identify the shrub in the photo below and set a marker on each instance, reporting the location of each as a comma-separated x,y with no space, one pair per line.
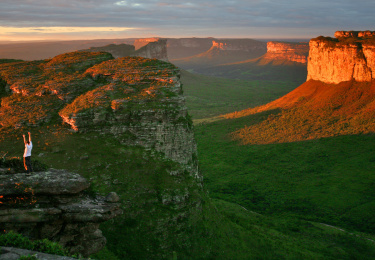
13,239
17,165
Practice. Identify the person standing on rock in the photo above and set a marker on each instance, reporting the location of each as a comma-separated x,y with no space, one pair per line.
27,154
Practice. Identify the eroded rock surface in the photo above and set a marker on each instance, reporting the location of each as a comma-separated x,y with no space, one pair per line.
296,52
11,253
349,57
54,205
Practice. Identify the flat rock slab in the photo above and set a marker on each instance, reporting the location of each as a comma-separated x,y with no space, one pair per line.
11,253
50,182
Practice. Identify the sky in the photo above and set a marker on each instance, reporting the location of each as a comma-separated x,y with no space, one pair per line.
26,20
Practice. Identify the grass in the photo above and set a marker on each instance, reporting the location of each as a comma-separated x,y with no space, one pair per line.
314,188
208,96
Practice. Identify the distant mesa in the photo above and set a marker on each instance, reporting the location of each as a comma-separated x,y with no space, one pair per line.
351,56
354,34
247,45
336,99
139,43
152,49
294,52
222,52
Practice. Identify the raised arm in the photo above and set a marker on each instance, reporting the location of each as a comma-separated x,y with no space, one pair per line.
29,137
24,139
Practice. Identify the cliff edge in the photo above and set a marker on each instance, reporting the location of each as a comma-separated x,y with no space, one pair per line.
54,205
286,51
351,56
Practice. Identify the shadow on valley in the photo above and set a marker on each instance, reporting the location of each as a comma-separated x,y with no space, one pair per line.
325,180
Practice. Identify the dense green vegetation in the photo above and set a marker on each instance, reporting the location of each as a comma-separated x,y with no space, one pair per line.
12,239
212,96
322,188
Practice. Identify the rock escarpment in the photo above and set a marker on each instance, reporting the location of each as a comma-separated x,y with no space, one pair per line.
349,57
54,205
247,45
295,52
139,43
153,50
146,153
141,103
156,49
10,253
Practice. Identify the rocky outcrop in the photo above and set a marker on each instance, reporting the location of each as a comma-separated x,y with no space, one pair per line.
354,34
153,50
156,49
11,253
136,105
149,109
347,58
295,52
139,43
54,205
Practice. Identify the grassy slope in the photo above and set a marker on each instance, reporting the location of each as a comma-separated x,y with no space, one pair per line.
295,185
211,96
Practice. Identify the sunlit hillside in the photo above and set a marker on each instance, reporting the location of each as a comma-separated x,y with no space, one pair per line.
313,110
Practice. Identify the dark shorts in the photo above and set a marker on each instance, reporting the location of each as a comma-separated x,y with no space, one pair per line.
27,163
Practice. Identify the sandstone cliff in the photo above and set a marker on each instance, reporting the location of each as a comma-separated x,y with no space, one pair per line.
295,52
152,50
223,52
141,140
139,43
247,45
349,57
53,205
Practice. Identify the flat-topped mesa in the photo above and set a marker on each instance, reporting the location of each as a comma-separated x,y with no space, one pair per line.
355,34
53,205
152,49
296,52
349,57
139,43
238,45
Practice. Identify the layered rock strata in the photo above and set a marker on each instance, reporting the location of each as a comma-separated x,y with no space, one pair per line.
349,57
156,49
141,103
54,205
247,45
295,52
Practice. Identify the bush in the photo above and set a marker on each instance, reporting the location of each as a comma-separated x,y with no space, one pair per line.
13,239
17,165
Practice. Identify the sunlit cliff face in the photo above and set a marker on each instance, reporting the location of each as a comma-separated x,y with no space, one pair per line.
337,98
351,56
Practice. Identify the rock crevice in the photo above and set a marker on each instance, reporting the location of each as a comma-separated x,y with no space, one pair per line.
54,205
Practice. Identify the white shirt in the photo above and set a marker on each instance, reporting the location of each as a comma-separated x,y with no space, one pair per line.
28,148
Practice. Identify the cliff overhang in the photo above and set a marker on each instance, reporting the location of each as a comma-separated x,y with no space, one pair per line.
55,205
350,56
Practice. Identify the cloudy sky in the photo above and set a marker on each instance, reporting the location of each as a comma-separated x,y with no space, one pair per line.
93,19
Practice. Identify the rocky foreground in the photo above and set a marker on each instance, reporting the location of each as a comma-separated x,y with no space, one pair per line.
56,205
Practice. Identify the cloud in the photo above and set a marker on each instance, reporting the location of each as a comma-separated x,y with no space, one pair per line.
167,17
56,30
